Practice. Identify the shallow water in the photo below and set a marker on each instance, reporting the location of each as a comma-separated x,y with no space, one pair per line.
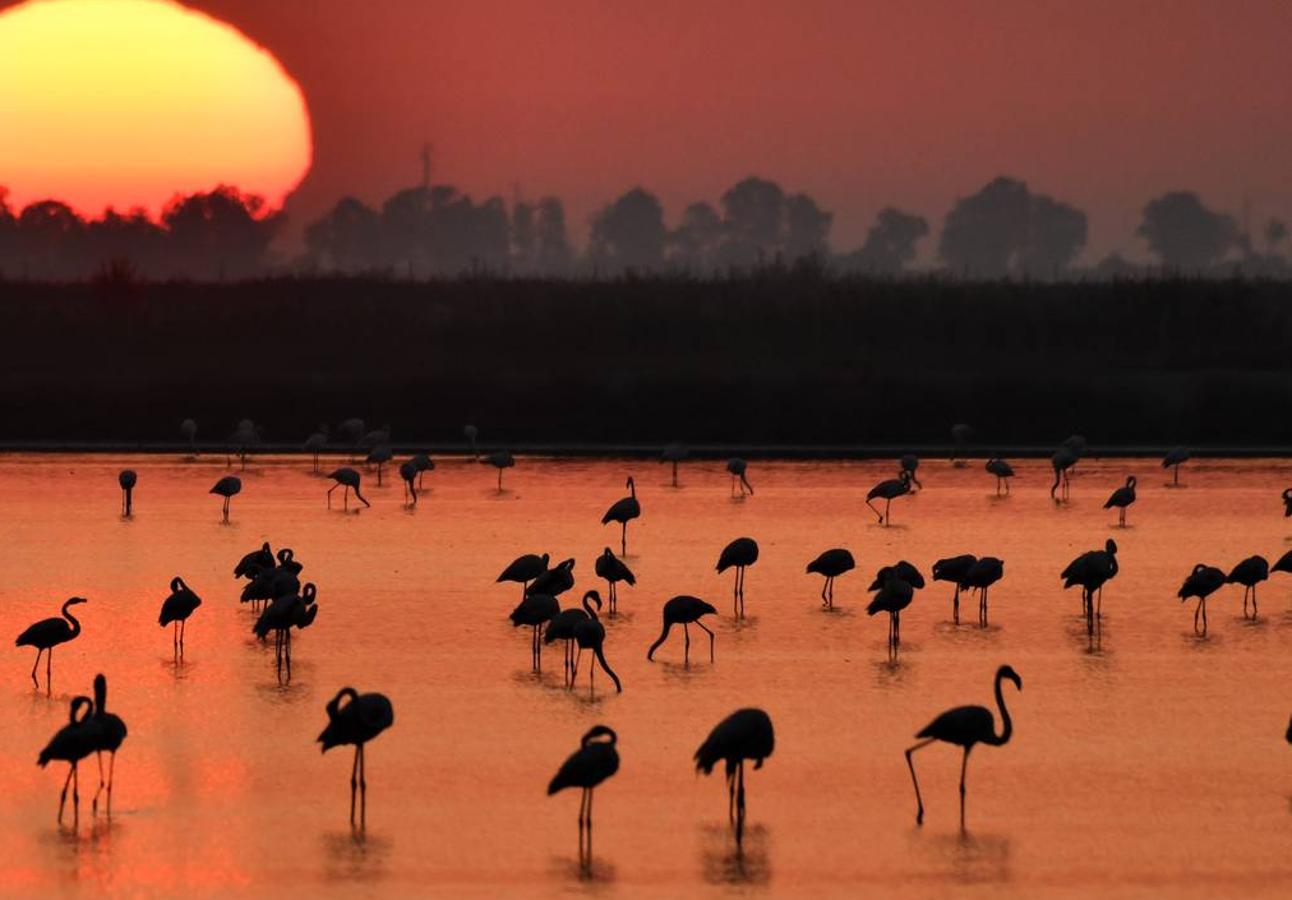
1151,764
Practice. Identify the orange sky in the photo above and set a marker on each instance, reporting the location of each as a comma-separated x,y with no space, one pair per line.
1102,103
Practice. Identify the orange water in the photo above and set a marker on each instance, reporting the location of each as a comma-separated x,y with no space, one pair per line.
1153,764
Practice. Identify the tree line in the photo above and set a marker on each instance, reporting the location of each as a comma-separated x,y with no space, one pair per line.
1003,230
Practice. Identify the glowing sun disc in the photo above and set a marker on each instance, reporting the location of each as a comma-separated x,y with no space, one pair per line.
125,103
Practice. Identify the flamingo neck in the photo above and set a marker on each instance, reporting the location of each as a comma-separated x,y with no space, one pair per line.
67,614
1006,724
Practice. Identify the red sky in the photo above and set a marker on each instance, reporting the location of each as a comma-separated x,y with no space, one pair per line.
1102,102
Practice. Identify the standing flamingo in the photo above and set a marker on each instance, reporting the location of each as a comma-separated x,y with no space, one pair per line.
315,444
745,734
47,634
983,574
1174,457
832,563
555,581
674,453
908,463
1092,570
127,478
1122,498
349,479
623,511
227,487
737,467
888,491
561,628
965,726
1062,461
423,463
1003,472
1202,582
613,570
587,767
109,731
740,553
683,610
380,454
524,569
1249,573
590,634
254,561
535,610
71,744
500,459
954,569
894,595
287,611
1287,502
362,718
408,471
176,609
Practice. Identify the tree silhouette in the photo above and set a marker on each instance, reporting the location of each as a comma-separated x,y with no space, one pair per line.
1183,233
629,233
1056,235
1005,229
347,238
554,253
524,237
223,233
890,243
807,228
753,213
694,243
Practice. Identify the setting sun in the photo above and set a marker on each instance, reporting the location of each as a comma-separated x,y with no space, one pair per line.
125,103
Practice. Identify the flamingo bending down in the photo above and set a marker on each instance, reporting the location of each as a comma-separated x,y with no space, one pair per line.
908,464
590,634
227,487
71,744
408,471
176,609
362,718
127,478
349,479
954,569
613,570
832,563
623,511
745,734
965,726
47,634
737,467
590,765
1202,582
1002,470
683,610
888,491
740,553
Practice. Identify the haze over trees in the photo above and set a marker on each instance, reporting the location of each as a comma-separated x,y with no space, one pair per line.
1006,230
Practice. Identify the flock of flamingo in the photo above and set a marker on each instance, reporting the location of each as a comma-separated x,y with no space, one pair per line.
272,585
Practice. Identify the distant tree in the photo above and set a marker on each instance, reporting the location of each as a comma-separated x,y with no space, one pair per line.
131,241
693,245
1276,233
1056,235
524,236
404,238
1183,233
220,233
890,243
807,228
347,238
554,253
51,240
753,213
629,233
984,232
9,252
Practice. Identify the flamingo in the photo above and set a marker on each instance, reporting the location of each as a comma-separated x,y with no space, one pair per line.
674,453
227,487
888,491
590,634
380,454
1202,582
423,463
965,726
1003,472
408,471
1062,461
954,569
907,465
47,634
832,563
894,596
176,609
127,478
613,570
1287,502
903,570
109,731
737,467
745,734
535,611
1092,570
349,479
288,562
960,435
561,628
586,768
286,611
524,569
623,511
379,437
1249,573
188,428
555,581
740,553
246,434
683,610
362,718
1283,564
269,584
254,561
500,459
1122,498
315,444
983,574
1174,457
71,744
470,432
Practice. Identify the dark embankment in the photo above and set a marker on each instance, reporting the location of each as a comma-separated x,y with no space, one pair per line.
775,359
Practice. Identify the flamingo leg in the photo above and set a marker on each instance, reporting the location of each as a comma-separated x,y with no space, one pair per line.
964,765
62,797
354,783
112,770
701,624
910,763
623,539
35,666
888,516
1253,603
875,511
76,792
363,788
49,668
740,803
955,605
94,804
589,829
686,646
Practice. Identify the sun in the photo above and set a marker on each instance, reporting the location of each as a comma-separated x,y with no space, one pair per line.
125,103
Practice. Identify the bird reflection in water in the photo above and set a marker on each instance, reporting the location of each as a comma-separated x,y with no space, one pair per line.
966,857
355,855
745,863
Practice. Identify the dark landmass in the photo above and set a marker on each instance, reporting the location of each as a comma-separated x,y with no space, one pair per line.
789,358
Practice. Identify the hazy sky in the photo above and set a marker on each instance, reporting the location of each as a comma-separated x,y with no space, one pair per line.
1102,102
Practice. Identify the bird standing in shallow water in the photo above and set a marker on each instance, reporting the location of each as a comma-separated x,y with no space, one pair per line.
745,734
832,563
1174,457
362,718
888,491
176,609
227,487
1287,502
623,511
1122,498
108,731
590,765
590,634
982,575
500,459
1062,461
908,464
737,467
71,744
1003,472
683,610
536,610
674,453
524,569
1202,582
47,634
127,479
740,553
1249,573
349,479
613,570
965,726
895,594
954,569
408,473
1092,570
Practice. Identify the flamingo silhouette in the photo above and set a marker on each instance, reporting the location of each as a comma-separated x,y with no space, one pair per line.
287,610
832,563
737,467
408,471
590,634
108,732
227,487
287,561
1174,457
888,491
561,628
954,569
683,610
586,768
423,463
1062,461
535,610
47,634
740,554
500,459
1249,573
127,479
895,594
380,454
623,511
903,570
71,744
524,569
176,609
908,463
1003,472
745,734
674,453
982,575
362,718
555,581
1092,570
349,479
613,570
1122,498
1287,502
1283,564
315,444
254,561
965,726
1202,582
